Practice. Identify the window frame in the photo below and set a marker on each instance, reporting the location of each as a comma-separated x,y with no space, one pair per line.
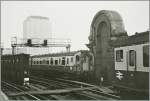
145,65
67,60
56,62
51,61
47,62
119,55
40,61
130,58
63,61
59,61
77,58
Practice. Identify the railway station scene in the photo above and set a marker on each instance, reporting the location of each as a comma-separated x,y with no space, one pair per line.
74,50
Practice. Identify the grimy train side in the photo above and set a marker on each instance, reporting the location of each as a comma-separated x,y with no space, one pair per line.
74,65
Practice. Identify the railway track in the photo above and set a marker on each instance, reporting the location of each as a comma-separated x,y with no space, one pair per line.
60,85
13,88
56,89
95,94
98,90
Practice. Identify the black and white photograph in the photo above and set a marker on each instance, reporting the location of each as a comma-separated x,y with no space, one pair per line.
74,50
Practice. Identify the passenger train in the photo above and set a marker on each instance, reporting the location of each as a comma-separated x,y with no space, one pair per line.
132,63
76,64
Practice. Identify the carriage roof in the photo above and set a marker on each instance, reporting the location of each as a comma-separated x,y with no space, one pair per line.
61,54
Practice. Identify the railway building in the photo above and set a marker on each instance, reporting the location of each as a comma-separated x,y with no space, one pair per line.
15,68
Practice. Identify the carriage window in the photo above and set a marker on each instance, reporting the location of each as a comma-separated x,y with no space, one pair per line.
146,56
67,60
59,60
71,59
40,62
51,61
77,58
119,55
47,62
63,60
37,62
132,58
56,62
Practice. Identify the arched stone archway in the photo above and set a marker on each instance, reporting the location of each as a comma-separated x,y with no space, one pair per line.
106,26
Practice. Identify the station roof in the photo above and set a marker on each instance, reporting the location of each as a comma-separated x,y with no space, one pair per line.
136,39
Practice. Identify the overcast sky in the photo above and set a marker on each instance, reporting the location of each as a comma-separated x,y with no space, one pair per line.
70,19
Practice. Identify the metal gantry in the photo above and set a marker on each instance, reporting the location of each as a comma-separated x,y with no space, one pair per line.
37,42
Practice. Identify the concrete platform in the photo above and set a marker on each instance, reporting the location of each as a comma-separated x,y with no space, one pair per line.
3,96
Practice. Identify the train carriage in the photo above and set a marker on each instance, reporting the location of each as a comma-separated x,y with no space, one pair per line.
132,63
75,65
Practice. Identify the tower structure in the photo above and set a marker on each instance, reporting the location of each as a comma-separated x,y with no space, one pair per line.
105,27
35,28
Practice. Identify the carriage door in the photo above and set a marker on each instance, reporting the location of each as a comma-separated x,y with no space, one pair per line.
132,61
131,68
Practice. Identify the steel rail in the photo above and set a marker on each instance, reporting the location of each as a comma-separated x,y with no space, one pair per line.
20,90
76,84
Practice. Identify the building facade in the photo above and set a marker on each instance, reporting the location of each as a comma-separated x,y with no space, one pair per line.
37,28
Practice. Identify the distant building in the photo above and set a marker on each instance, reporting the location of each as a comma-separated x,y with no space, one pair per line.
37,27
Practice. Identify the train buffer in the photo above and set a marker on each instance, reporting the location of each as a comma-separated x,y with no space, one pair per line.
58,91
